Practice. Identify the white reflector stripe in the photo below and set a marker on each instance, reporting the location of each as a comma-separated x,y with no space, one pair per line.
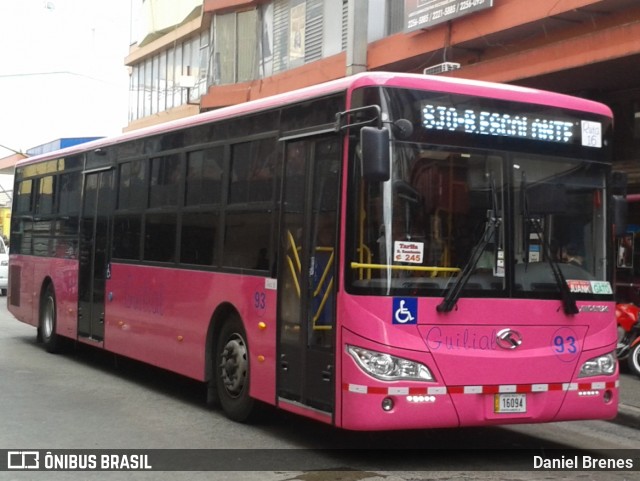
399,391
437,390
504,388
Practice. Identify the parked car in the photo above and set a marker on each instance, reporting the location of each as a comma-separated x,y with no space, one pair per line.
4,267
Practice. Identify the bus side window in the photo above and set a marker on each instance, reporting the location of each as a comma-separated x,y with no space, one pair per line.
246,239
199,233
45,195
204,176
131,185
126,236
252,171
24,197
164,182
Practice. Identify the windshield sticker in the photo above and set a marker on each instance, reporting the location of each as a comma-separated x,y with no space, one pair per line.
579,287
405,310
592,134
601,287
407,251
589,287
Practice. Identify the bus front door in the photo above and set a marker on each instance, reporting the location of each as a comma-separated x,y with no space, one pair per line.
98,195
307,273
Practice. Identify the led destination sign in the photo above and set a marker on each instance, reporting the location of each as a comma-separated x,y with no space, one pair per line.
506,124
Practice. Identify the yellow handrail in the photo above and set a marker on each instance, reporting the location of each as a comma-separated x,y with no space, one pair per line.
294,275
360,265
292,241
325,275
365,251
327,269
321,308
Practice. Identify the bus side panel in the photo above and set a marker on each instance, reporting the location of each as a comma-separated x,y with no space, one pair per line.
20,299
161,316
64,276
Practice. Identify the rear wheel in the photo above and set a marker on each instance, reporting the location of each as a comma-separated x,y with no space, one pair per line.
634,359
232,371
48,321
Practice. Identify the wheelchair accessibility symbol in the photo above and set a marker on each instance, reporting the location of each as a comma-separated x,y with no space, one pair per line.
405,311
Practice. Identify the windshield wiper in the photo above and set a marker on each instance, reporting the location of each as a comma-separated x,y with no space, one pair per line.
453,294
490,228
568,300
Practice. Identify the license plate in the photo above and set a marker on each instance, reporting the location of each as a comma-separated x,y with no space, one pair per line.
510,403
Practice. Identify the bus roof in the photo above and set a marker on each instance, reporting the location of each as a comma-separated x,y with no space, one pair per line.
389,79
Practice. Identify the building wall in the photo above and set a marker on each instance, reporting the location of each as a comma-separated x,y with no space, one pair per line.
5,221
248,49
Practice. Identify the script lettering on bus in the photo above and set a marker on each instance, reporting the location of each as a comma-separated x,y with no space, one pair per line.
140,297
466,340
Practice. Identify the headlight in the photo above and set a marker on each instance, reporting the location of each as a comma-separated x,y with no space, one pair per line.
387,367
599,366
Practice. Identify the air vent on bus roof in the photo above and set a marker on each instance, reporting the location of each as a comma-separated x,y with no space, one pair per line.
441,68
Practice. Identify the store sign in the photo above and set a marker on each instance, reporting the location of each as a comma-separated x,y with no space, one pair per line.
421,14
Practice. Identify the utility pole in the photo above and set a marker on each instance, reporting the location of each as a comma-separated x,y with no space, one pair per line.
357,19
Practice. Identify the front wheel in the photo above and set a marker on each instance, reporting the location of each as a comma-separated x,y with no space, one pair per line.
48,321
232,371
634,359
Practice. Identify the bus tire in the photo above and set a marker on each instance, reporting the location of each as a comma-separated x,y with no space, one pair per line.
48,321
634,359
232,371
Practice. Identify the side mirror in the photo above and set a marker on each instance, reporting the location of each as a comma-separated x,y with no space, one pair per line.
375,154
620,211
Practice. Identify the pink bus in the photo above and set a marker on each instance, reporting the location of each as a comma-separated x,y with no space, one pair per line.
384,251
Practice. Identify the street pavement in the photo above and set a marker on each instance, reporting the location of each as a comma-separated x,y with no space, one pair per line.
629,407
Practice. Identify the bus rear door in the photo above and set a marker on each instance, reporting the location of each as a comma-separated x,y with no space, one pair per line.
97,205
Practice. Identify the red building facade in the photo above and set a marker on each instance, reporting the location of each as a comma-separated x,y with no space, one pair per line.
233,51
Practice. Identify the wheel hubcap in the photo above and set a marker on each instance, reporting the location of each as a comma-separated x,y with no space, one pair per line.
234,365
47,321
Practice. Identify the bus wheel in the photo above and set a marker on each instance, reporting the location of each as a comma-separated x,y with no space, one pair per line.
634,360
232,371
47,333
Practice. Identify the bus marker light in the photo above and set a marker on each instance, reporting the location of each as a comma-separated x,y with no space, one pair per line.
180,338
421,399
260,358
588,393
387,404
262,326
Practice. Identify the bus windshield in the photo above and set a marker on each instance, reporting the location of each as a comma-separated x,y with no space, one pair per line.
487,222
